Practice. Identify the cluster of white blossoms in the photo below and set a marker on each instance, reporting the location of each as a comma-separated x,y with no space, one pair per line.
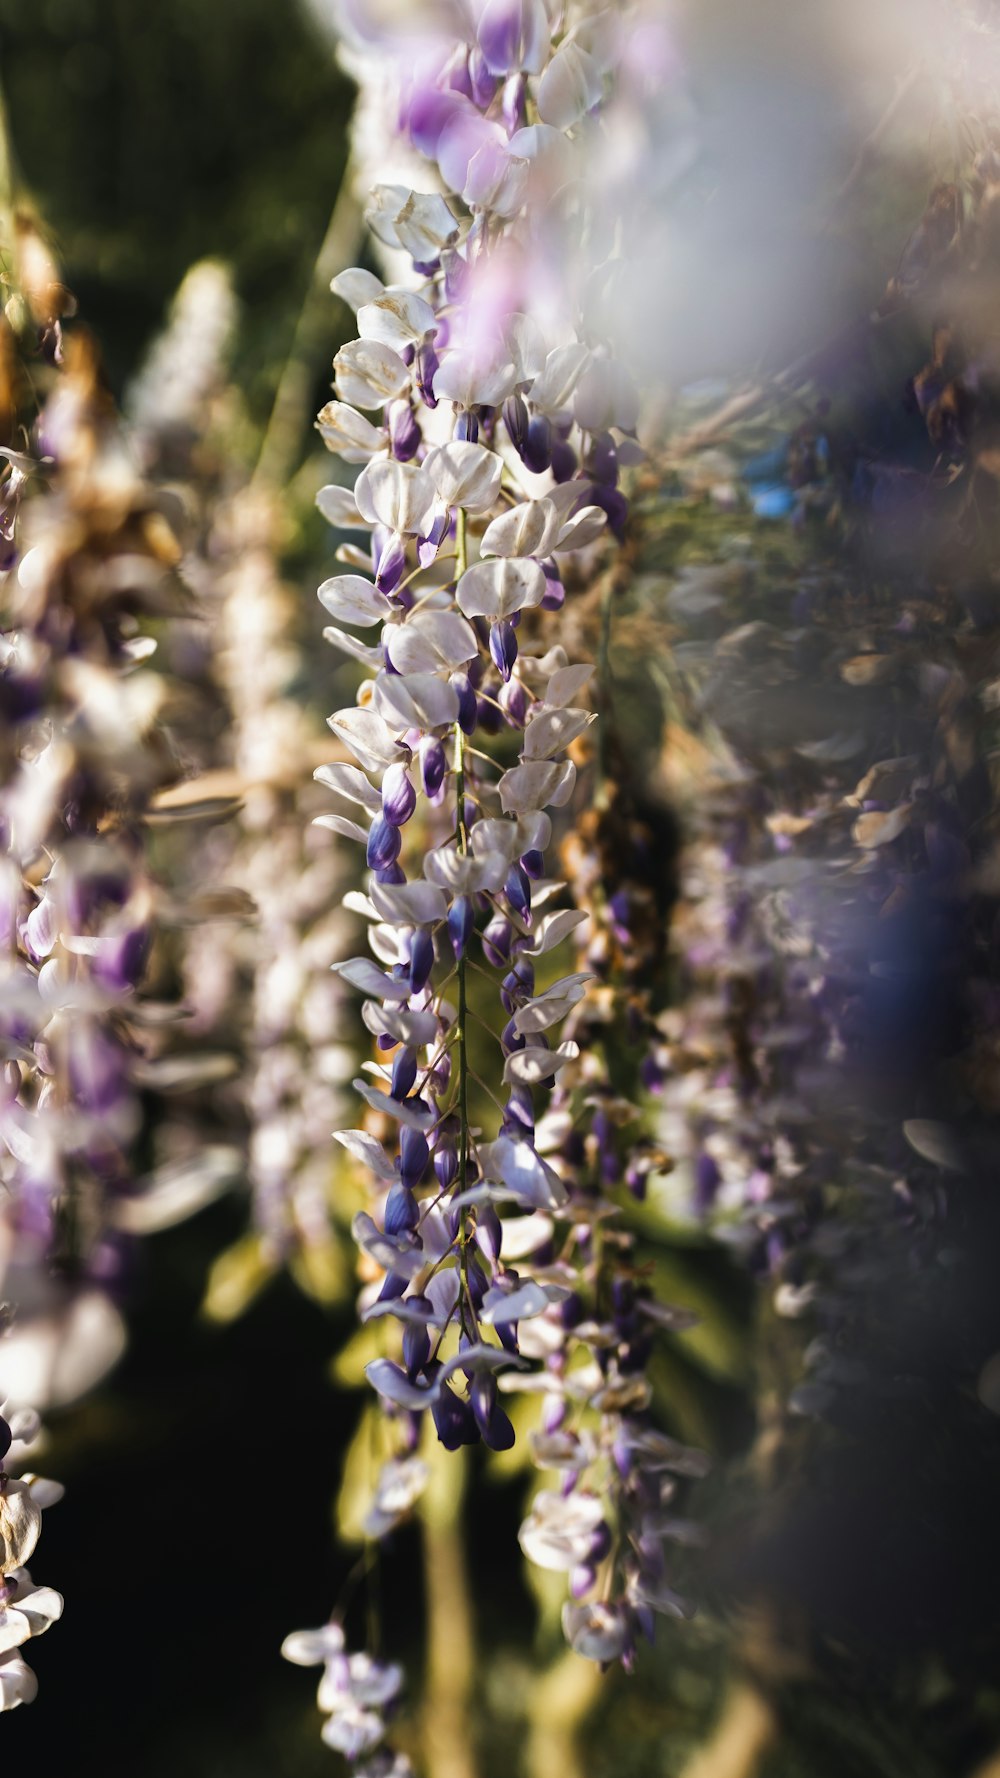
488,421
26,1610
355,1694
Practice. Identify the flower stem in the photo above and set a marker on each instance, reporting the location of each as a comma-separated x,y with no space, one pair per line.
461,552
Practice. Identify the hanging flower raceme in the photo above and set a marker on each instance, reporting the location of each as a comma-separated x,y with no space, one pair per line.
83,754
26,1609
487,424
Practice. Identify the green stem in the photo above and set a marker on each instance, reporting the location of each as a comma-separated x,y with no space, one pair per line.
461,841
604,698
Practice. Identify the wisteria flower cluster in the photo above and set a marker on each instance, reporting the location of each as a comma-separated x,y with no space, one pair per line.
489,423
26,1609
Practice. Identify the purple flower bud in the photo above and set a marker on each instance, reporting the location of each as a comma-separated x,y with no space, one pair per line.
393,873
517,888
503,648
651,1074
524,970
96,1070
511,1039
603,460
537,452
614,503
513,700
404,1073
433,764
707,1180
402,1212
454,1420
413,1156
600,1543
497,936
496,1429
388,558
383,844
461,921
120,963
426,365
484,84
466,703
445,1160
467,427
555,1413
416,1347
516,419
554,596
399,799
581,1579
404,433
512,104
519,1113
510,993
421,956
564,461
636,1180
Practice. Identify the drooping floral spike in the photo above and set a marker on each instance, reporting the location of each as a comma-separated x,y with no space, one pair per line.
487,421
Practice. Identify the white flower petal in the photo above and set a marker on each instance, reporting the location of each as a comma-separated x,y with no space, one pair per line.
355,286
309,1648
348,434
338,506
397,495
531,1066
530,832
419,222
500,587
409,904
348,781
404,1111
552,392
471,383
528,529
396,318
558,1532
367,374
465,474
583,528
353,600
570,86
364,652
462,872
407,1024
419,701
553,928
537,784
515,1165
598,1631
547,1008
552,731
429,642
347,829
369,739
365,975
565,683
365,1149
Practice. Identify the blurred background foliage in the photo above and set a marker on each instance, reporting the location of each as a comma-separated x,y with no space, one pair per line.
197,1529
